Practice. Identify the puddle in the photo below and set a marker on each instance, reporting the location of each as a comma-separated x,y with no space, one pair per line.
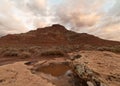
59,74
55,70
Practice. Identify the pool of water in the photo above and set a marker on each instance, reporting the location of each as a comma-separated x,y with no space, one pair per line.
54,69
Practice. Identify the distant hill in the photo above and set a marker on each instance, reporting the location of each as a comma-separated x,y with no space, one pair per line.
55,35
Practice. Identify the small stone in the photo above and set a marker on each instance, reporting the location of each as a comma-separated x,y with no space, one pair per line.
28,63
90,83
75,57
69,73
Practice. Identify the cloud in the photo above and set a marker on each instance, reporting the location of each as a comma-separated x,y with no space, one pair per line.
79,13
19,16
109,25
97,17
9,22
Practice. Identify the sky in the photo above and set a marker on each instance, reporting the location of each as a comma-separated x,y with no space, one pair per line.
98,17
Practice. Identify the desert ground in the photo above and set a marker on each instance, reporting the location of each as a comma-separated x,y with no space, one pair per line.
82,68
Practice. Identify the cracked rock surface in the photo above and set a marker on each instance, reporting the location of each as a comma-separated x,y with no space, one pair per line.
98,68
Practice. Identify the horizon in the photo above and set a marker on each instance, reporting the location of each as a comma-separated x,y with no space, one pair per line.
99,18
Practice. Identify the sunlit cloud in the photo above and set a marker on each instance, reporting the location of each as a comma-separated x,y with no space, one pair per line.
97,17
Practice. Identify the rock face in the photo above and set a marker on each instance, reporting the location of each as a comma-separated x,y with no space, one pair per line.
98,68
55,35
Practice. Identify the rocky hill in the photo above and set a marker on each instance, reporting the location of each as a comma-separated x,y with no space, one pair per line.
55,35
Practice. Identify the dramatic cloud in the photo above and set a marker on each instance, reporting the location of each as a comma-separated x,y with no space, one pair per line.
20,16
98,17
78,13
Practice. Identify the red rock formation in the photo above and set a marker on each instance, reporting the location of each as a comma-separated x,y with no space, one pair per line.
55,35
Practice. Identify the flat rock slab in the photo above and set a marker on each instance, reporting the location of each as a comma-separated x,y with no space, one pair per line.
18,74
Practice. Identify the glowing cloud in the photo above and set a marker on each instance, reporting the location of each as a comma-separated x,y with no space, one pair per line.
98,17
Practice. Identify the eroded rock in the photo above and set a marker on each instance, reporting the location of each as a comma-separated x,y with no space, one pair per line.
97,69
